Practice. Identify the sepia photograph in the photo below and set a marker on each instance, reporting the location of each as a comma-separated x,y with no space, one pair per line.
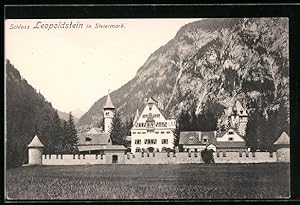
147,108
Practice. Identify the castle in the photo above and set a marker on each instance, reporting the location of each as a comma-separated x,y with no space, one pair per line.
151,131
237,117
152,134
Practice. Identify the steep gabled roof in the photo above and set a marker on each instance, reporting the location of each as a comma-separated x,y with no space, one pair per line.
283,139
35,142
196,137
108,104
231,144
151,101
95,139
94,130
238,107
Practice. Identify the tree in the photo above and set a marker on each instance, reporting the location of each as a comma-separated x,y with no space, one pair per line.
44,132
251,136
182,124
118,130
56,131
128,126
71,138
207,156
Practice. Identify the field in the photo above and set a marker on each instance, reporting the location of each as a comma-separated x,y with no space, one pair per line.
190,181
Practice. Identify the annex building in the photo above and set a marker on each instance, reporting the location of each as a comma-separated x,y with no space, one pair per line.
97,140
151,131
232,139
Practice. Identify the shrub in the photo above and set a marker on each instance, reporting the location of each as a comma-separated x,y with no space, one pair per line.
207,156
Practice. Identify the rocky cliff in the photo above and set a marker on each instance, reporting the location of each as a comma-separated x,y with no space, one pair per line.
212,60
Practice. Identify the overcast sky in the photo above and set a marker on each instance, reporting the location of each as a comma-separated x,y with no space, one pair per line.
75,67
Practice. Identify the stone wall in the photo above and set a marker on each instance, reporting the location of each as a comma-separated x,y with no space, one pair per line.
70,159
163,158
245,157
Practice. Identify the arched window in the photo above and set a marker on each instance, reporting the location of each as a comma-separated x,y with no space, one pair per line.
137,149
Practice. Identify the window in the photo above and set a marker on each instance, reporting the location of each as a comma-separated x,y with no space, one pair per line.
162,132
138,141
137,149
143,132
168,132
164,141
145,116
138,132
230,139
230,133
150,141
108,140
204,139
156,132
133,132
156,115
88,139
241,111
107,113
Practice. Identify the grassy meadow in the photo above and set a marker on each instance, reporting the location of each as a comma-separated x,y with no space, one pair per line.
189,181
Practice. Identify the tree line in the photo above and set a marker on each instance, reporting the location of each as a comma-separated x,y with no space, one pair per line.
27,114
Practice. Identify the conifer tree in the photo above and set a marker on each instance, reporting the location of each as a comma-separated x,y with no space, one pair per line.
56,131
45,133
183,123
118,131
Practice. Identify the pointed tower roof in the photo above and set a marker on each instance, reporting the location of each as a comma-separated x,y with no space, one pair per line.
283,139
238,108
136,117
35,142
108,104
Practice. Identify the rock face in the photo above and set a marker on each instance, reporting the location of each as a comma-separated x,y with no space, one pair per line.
212,60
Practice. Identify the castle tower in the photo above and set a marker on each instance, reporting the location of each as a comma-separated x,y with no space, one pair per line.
35,151
108,109
239,117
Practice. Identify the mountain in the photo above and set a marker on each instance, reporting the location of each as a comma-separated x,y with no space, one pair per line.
25,112
65,116
77,113
212,60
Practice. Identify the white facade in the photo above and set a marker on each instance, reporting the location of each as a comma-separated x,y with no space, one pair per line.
230,136
152,131
238,117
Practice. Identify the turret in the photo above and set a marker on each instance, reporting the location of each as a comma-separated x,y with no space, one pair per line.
35,151
108,109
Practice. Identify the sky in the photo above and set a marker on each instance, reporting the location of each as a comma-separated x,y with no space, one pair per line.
74,67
